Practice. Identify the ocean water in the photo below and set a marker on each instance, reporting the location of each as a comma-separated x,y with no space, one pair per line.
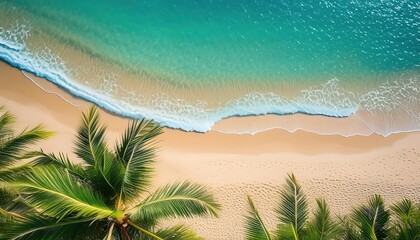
189,63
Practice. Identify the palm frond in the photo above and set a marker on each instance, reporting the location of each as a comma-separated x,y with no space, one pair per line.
42,228
322,226
14,147
108,175
348,229
293,208
61,161
8,205
285,232
54,192
138,132
6,217
90,143
403,210
405,225
136,150
10,172
6,119
255,228
176,200
372,219
178,232
92,149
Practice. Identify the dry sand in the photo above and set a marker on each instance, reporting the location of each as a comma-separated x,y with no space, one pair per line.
345,170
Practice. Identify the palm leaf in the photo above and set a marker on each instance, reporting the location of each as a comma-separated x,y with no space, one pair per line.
113,170
371,219
9,206
92,149
285,232
6,119
405,226
403,210
293,208
61,161
322,226
54,192
138,132
176,200
255,228
41,228
107,175
90,143
6,217
348,229
136,150
14,147
178,232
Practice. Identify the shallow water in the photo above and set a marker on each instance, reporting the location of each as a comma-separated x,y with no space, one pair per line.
189,64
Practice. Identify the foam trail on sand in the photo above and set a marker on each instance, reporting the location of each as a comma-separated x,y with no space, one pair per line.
27,75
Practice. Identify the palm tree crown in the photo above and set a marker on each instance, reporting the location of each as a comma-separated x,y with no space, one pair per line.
292,214
105,196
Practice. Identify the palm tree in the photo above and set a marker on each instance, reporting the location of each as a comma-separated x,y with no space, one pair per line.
105,196
371,220
13,148
406,222
323,226
292,213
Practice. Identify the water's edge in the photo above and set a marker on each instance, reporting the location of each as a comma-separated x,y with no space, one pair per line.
221,131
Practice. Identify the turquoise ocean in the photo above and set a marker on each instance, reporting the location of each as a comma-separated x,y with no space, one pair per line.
188,64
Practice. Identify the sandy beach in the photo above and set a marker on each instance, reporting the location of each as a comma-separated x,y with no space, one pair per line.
345,170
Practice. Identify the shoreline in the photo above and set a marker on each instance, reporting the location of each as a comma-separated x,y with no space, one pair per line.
346,126
345,170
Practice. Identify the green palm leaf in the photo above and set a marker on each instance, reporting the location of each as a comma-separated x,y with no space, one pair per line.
286,232
90,143
10,206
178,232
405,225
136,150
14,147
6,119
107,175
40,228
293,208
61,161
92,148
371,219
322,227
56,193
404,211
255,228
348,230
176,200
112,171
